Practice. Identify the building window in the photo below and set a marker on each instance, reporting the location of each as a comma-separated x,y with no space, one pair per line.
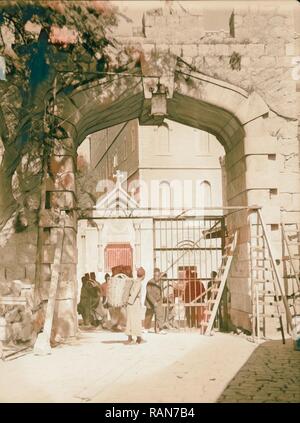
111,166
165,197
163,140
133,141
115,160
205,194
202,143
125,148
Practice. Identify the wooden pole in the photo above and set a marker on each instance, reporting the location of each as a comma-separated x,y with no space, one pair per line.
42,345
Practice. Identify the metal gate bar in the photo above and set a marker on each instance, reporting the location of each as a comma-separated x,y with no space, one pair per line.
186,250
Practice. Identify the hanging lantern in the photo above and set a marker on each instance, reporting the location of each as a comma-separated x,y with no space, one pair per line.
159,101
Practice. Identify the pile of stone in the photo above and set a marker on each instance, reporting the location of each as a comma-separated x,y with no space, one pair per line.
16,317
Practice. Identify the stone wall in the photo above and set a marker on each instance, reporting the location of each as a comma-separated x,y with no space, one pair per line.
255,54
262,153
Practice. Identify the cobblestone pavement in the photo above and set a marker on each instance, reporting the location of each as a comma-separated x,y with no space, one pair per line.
272,374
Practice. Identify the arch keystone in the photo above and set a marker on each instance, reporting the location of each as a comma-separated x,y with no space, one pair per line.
251,108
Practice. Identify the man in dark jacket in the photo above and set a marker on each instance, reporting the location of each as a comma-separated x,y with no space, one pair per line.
154,302
84,306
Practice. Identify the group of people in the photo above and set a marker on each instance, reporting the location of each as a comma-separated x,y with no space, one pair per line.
94,307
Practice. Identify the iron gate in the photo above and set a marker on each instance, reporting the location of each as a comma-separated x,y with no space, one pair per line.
187,250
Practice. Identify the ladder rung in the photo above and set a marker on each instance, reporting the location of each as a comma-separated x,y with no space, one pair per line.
258,249
271,316
271,293
291,230
263,281
262,258
294,257
260,268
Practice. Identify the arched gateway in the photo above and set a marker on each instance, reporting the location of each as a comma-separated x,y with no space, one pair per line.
234,116
240,119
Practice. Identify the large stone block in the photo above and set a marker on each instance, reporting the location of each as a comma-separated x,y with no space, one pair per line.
241,301
68,272
234,155
69,251
190,50
255,50
8,253
59,165
240,319
15,271
45,272
65,181
262,163
289,182
240,268
67,290
64,147
62,200
26,253
69,254
260,145
5,330
30,270
2,273
21,331
238,169
260,197
235,187
48,252
239,285
51,219
276,48
261,180
271,214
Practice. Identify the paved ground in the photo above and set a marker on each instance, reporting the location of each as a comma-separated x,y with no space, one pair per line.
98,367
272,374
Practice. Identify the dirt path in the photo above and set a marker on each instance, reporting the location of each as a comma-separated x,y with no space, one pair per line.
98,367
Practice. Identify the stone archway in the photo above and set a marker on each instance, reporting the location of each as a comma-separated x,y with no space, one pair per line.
235,117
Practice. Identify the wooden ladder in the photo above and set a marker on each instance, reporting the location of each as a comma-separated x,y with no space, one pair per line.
217,288
268,298
291,261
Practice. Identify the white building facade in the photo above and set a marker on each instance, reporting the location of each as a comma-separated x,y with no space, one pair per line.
143,172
